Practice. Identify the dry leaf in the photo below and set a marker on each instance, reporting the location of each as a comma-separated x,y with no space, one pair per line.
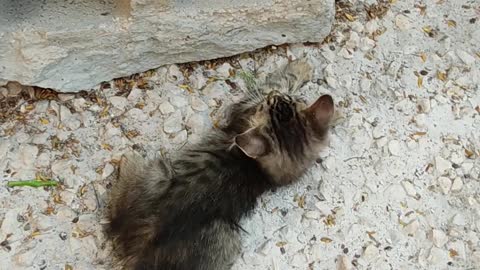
132,134
29,107
329,220
423,56
349,17
363,99
68,267
281,243
186,87
452,252
326,240
44,121
420,82
300,200
107,146
469,153
441,76
452,23
427,29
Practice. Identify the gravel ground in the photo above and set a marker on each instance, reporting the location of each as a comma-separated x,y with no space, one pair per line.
398,188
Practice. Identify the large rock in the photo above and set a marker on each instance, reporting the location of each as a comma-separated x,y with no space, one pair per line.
74,45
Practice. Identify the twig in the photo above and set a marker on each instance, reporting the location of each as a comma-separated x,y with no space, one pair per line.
32,183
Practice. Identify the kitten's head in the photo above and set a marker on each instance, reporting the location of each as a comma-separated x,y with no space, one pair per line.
282,133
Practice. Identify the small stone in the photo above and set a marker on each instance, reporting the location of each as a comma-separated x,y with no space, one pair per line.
366,44
137,114
343,263
197,80
346,53
459,220
173,124
402,22
119,102
45,223
424,105
63,236
174,74
198,104
166,108
65,97
107,170
465,57
216,89
178,101
412,227
134,95
409,188
79,104
68,119
438,237
445,184
457,184
442,165
395,148
27,155
40,138
14,88
181,137
378,132
329,163
437,256
224,70
353,41
196,123
370,253
420,120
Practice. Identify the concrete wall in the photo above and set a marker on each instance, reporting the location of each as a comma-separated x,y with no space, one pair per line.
74,45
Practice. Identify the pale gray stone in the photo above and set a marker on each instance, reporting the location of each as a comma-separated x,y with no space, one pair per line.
73,47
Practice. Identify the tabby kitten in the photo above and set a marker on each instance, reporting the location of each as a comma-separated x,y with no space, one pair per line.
185,214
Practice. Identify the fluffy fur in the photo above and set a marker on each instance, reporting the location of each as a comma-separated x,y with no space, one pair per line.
184,214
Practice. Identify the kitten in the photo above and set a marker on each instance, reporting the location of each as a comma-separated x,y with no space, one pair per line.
185,215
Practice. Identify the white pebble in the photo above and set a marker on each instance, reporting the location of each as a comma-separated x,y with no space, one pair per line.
402,22
409,188
173,124
442,165
178,101
459,220
343,263
412,227
119,102
371,252
395,148
437,256
198,104
181,137
457,184
445,184
196,123
107,170
166,108
135,94
438,237
465,57
224,70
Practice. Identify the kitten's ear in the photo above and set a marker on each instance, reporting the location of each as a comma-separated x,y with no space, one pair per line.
321,111
252,143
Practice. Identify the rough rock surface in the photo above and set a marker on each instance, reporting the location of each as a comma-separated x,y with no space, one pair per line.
77,45
373,201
